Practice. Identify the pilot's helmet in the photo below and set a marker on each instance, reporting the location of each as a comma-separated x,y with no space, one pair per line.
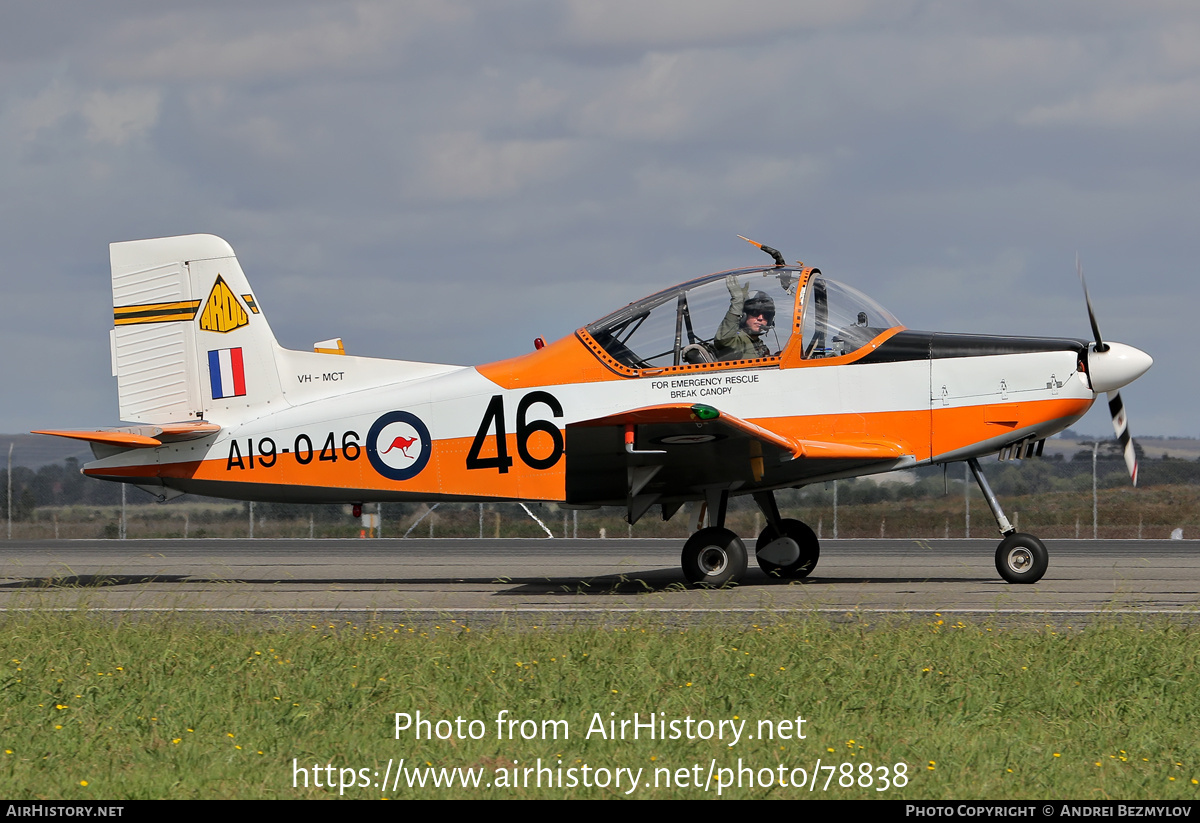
760,303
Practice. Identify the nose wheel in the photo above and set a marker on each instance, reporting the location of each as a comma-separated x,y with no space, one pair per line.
1021,558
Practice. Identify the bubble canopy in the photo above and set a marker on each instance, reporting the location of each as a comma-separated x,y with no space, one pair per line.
746,314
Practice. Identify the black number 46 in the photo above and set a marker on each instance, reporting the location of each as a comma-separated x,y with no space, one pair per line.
493,423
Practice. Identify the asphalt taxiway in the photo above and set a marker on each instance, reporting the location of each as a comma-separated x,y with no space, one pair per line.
560,579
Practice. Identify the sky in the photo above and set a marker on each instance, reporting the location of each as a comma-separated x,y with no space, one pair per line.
446,180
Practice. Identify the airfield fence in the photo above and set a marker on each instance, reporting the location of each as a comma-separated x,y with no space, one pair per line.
1052,498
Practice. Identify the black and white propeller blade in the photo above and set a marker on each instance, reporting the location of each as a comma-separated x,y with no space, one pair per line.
1111,366
1101,346
1121,426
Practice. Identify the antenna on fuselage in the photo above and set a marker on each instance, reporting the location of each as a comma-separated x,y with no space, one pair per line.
773,252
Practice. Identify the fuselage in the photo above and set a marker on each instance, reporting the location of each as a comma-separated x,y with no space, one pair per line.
351,429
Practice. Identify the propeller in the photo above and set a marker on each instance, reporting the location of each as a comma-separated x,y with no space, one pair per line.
1111,366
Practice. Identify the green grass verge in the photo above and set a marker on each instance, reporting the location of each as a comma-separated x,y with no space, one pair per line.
178,709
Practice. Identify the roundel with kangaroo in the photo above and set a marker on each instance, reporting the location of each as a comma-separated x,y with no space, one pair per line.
399,445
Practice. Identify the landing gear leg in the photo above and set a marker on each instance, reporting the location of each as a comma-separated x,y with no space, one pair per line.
1020,558
714,556
786,548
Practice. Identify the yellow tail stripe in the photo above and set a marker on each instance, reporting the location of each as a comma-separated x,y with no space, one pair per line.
155,312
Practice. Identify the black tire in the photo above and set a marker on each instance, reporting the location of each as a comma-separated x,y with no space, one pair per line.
714,557
1022,558
806,539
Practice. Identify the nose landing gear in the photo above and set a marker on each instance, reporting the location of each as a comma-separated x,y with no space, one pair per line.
1020,558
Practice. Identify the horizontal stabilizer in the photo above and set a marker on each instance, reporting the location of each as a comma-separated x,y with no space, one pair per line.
140,437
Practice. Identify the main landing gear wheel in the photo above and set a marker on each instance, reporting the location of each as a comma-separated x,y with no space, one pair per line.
776,561
1021,558
714,557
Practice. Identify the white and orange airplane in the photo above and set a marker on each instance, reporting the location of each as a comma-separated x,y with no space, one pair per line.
738,383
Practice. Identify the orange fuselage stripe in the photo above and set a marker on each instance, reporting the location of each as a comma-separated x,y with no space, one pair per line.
447,475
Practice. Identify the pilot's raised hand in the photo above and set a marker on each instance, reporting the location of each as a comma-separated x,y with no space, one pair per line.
737,293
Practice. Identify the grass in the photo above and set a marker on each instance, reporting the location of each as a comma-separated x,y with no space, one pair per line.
170,708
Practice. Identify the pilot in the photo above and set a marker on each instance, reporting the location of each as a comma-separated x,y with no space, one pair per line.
739,337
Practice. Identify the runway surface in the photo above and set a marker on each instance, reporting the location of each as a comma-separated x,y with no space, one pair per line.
558,580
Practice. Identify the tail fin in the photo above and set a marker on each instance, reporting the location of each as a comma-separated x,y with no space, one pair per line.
189,338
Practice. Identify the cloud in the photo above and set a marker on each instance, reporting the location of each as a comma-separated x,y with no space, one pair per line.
108,117
1122,106
268,41
683,23
947,158
536,99
466,166
655,101
43,111
117,117
734,192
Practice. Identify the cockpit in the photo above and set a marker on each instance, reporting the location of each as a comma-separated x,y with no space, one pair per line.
746,315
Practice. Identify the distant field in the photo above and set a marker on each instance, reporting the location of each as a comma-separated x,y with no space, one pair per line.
1177,448
933,708
36,450
1124,512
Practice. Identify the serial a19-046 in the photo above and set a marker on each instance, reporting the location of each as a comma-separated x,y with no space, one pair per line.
739,383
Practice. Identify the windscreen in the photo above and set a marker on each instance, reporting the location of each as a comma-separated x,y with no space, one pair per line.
839,319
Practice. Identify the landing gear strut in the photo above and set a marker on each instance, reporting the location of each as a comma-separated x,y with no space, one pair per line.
1020,558
714,556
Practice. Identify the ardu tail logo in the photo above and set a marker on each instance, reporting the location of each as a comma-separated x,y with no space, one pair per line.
222,313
